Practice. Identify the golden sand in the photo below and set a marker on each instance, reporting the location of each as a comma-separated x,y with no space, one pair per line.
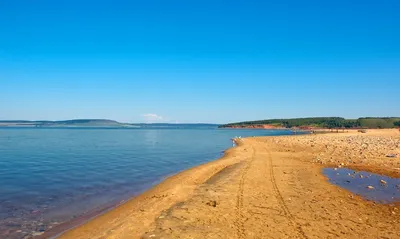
267,187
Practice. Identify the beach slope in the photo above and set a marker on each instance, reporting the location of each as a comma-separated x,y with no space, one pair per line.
267,187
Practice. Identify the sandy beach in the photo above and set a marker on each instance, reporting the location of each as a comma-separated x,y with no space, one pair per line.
266,187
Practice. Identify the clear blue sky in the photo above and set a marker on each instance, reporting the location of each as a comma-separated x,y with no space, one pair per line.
198,60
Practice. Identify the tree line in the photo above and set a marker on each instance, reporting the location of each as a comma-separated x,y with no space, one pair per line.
326,122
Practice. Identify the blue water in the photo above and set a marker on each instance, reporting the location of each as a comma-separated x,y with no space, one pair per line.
52,175
358,181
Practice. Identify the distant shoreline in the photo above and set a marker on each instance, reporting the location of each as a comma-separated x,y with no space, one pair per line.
93,124
316,129
315,123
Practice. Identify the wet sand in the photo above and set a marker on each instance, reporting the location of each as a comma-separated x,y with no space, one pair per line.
267,187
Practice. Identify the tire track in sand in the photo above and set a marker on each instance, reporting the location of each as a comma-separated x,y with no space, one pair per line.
281,202
240,229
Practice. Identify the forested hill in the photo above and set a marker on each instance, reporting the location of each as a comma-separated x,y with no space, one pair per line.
321,122
99,123
75,122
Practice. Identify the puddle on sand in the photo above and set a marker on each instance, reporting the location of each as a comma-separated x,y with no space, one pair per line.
360,182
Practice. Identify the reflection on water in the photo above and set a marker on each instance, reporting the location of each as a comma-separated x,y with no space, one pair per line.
371,186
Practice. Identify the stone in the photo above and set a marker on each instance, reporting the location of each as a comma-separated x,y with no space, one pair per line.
37,234
212,203
370,187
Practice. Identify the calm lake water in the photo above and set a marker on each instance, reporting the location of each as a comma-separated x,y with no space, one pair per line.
52,175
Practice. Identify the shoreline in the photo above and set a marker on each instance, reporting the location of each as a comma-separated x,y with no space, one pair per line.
62,228
212,168
140,214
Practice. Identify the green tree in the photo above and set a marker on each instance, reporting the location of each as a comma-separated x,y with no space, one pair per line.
334,123
396,123
286,124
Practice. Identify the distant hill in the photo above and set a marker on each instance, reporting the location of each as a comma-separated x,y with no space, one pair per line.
320,122
85,122
48,123
97,123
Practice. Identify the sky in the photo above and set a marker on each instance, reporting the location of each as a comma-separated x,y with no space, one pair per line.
198,61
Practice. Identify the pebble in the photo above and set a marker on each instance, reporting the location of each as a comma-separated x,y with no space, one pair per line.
212,203
37,233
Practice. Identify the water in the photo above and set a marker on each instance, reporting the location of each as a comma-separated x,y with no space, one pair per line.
49,176
360,182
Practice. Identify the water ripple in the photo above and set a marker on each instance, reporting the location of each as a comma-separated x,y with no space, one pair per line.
52,175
